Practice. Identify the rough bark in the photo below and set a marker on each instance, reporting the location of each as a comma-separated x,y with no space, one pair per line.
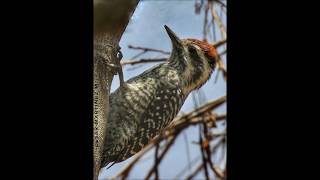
103,75
107,34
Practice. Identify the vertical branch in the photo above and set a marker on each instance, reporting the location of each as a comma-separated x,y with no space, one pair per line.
204,159
168,146
222,158
214,31
187,167
218,20
187,150
200,166
195,172
156,159
205,22
198,5
206,148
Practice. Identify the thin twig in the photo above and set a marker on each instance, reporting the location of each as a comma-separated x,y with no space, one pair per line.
220,63
199,111
222,68
200,166
145,49
215,169
187,150
205,22
204,158
196,159
126,170
195,172
133,62
198,5
219,43
156,162
221,3
169,145
138,55
207,148
214,34
223,52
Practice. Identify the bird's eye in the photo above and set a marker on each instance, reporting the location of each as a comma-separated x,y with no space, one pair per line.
192,50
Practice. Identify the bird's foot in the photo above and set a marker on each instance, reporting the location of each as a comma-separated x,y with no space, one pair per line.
119,69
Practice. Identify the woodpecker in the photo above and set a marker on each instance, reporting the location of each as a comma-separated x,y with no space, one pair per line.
147,103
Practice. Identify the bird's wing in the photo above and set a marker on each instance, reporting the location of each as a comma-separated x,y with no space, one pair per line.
163,107
146,104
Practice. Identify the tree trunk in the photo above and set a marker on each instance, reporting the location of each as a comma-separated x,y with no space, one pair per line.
102,81
107,34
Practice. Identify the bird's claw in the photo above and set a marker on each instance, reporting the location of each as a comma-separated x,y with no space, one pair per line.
119,67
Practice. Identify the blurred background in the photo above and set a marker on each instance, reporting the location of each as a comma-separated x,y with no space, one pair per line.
187,18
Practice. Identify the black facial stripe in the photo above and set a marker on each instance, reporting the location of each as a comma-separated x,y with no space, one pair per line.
197,63
192,51
212,62
195,56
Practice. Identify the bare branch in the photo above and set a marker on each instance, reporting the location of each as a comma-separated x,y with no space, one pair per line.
148,49
140,61
195,172
156,162
220,63
204,158
217,170
205,32
200,166
221,3
186,168
187,149
220,43
126,170
223,53
168,146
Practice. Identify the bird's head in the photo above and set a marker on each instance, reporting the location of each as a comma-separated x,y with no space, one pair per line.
195,60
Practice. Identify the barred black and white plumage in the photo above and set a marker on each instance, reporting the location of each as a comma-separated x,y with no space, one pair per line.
148,102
